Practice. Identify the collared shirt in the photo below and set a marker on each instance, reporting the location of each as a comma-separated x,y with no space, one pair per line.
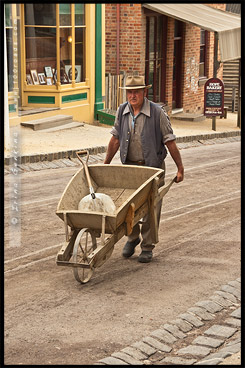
135,152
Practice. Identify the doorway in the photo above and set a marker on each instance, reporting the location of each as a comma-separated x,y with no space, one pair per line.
155,61
177,65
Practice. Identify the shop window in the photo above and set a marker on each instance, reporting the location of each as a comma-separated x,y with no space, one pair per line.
46,37
203,53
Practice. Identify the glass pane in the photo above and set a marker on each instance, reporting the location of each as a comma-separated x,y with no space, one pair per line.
159,37
40,14
65,14
80,54
202,59
202,38
40,49
65,55
201,70
8,15
158,84
177,28
151,38
151,72
9,36
79,15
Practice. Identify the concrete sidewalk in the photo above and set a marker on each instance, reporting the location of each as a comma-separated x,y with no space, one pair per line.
58,143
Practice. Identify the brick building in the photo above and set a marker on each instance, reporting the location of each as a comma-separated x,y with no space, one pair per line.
175,55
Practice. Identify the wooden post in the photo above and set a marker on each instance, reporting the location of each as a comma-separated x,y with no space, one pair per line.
215,70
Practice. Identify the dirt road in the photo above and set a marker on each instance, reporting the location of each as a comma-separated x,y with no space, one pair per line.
52,319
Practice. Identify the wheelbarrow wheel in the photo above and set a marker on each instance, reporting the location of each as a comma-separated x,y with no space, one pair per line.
84,245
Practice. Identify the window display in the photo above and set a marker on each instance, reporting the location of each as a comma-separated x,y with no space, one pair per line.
41,48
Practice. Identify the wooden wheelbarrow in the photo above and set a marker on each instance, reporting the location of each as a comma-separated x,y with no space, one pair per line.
91,236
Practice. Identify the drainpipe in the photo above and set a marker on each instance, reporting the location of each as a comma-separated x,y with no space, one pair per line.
99,105
118,34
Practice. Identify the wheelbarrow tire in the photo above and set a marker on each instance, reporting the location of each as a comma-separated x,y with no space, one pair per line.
84,245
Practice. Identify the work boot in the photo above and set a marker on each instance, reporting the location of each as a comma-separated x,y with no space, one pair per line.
128,249
145,256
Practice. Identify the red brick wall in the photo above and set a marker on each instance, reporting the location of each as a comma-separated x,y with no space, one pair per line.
131,40
132,52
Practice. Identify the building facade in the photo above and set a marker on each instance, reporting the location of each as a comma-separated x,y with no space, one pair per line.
55,58
176,57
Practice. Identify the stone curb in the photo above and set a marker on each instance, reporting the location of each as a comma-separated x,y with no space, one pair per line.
101,149
215,341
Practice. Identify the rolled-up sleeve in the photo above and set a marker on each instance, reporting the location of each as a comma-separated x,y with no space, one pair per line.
114,130
166,128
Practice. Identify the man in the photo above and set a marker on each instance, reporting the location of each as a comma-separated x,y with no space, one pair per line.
141,130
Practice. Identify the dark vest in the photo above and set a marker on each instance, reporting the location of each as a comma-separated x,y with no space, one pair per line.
151,137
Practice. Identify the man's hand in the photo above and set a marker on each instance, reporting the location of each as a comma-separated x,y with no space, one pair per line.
174,152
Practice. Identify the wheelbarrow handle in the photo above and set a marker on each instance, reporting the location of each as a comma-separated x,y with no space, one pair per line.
164,189
83,152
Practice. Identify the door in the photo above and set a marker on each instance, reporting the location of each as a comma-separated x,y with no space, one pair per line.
155,56
177,65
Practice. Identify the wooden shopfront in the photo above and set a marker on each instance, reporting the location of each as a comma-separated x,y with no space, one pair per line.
58,57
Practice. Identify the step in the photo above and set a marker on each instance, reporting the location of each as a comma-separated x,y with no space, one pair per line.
74,124
49,122
189,117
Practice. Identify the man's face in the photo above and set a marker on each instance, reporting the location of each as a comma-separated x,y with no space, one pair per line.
136,97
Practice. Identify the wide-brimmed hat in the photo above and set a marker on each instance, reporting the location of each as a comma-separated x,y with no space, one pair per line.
135,82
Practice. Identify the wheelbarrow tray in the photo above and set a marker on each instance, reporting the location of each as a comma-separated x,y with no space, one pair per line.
125,184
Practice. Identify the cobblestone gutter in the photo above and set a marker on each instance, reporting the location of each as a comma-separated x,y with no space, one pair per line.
206,334
97,154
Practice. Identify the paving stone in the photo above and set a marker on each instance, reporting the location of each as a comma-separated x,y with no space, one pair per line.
208,341
235,284
51,165
232,349
235,341
210,306
145,348
233,322
236,313
164,336
157,344
219,355
112,361
67,162
194,350
231,290
174,331
178,360
136,354
223,331
200,312
126,358
25,167
182,325
195,321
239,279
59,163
220,300
36,166
226,295
214,361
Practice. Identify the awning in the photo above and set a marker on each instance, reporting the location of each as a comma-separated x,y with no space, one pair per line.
227,25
